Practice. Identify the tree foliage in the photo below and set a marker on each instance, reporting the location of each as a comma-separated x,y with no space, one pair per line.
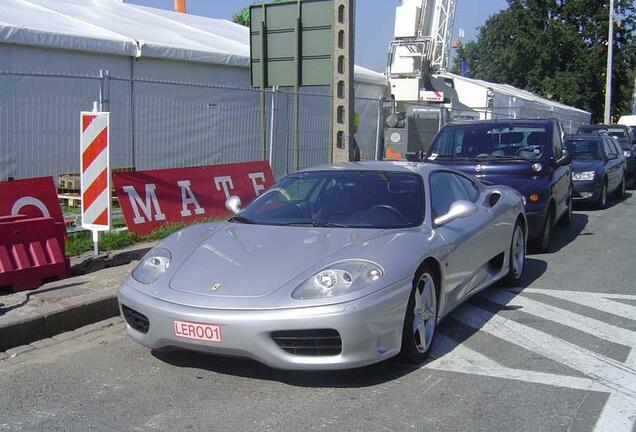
558,48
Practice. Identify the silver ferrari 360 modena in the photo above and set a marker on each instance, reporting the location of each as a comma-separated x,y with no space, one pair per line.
333,267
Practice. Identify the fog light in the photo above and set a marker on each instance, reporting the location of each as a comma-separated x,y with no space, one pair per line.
534,198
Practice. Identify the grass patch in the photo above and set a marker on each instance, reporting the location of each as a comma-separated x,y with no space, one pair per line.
82,241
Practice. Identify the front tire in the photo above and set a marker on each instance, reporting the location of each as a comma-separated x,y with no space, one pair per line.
566,219
620,192
542,245
420,322
517,257
601,203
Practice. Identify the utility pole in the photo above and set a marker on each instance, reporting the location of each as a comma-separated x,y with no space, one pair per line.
343,97
608,77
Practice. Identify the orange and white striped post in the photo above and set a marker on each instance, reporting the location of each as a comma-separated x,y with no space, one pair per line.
95,172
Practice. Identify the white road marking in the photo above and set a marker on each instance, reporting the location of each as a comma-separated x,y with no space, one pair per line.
604,374
619,412
466,360
579,322
609,372
602,302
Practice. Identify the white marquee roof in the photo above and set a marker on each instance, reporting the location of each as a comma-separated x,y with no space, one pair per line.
509,90
113,27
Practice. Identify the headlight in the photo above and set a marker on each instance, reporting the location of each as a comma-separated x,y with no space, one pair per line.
154,265
338,279
583,176
627,153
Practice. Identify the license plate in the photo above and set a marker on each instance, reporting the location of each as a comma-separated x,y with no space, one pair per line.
200,332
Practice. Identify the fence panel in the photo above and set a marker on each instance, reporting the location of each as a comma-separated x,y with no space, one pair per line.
165,124
39,117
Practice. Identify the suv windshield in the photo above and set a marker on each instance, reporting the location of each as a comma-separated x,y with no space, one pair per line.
360,199
584,149
489,141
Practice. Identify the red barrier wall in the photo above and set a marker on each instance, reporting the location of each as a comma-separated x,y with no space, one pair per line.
150,199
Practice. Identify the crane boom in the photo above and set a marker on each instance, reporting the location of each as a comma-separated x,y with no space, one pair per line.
421,46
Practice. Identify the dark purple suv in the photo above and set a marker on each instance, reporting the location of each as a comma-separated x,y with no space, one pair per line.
527,155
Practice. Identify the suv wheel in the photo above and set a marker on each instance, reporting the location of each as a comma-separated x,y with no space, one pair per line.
542,244
601,203
566,219
620,192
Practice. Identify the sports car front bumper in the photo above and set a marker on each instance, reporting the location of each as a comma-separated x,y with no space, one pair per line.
370,328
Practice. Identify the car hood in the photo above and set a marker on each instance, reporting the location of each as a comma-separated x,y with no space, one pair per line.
586,165
243,260
513,173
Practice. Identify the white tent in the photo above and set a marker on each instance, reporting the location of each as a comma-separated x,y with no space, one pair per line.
507,101
146,51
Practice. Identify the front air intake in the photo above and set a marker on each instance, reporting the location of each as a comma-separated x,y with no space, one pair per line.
136,320
315,342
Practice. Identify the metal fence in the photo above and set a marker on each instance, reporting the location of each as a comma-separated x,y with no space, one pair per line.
167,124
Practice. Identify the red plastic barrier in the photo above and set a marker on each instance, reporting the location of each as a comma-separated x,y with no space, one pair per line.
31,252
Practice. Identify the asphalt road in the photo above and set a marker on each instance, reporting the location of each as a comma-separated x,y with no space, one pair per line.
556,354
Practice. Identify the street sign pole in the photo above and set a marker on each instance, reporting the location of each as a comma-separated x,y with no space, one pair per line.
342,86
608,74
294,44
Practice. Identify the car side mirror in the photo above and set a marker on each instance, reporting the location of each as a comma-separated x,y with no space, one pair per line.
612,156
565,158
458,210
233,204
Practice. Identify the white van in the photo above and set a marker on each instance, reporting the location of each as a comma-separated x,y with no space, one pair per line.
629,120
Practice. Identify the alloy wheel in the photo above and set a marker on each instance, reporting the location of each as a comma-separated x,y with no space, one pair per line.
518,252
424,312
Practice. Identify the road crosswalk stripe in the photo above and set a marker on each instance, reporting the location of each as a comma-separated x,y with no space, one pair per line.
579,322
597,301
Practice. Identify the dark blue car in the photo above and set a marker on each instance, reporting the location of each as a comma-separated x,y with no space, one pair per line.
598,168
624,136
527,155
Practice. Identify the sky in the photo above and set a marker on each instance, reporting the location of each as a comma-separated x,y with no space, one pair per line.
374,21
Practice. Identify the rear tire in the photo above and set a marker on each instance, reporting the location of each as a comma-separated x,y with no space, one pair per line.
420,321
516,257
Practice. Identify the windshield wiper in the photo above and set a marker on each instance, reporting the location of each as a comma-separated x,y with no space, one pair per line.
240,219
493,157
318,224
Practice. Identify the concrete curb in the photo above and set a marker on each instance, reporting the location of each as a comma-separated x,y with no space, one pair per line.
56,320
69,304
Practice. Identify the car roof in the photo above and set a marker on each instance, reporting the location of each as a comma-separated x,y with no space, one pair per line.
603,126
596,137
522,121
389,166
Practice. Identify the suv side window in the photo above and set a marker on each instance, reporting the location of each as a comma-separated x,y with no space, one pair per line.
470,187
445,189
607,146
617,147
557,144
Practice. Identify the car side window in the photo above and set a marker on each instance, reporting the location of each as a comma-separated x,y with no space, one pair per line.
445,189
607,147
617,148
470,187
557,144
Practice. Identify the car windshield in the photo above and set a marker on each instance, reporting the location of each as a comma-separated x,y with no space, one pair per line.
489,141
583,149
359,199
